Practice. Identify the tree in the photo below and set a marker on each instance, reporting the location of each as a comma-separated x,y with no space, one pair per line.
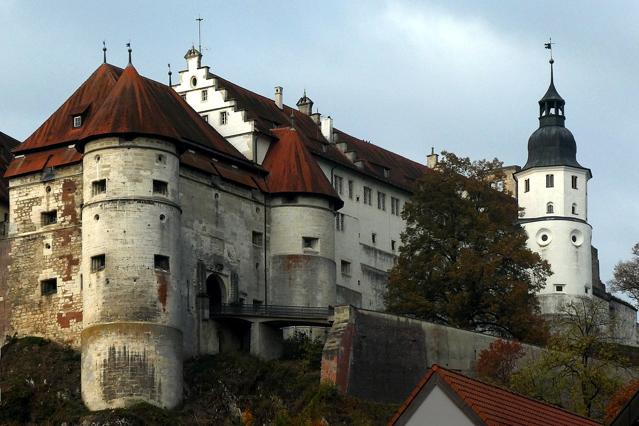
626,276
497,363
578,369
463,259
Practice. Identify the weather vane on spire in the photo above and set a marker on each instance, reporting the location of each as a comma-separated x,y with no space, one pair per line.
549,47
128,45
104,50
199,20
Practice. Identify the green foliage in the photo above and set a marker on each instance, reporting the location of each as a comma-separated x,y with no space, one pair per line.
300,346
463,259
578,370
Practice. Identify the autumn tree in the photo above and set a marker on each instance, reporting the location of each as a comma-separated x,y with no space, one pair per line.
497,362
463,260
626,276
578,369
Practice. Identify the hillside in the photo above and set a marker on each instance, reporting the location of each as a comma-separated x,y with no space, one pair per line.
40,383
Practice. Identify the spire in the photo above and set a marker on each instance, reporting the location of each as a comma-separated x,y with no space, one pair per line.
170,74
551,105
130,50
104,50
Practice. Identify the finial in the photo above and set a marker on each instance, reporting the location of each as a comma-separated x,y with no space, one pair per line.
432,150
199,20
104,49
551,61
170,74
130,50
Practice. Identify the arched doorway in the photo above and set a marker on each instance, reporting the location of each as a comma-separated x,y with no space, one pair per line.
216,293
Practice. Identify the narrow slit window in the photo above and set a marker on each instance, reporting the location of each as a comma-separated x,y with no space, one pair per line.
49,286
574,208
160,187
550,209
368,196
350,189
98,263
527,185
574,182
374,238
550,181
161,263
50,217
205,95
98,187
224,117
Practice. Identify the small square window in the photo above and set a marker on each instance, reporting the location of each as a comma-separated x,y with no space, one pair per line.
161,263
49,218
258,239
160,187
98,263
205,95
559,287
310,244
77,121
205,117
98,187
224,117
49,286
527,185
346,268
550,181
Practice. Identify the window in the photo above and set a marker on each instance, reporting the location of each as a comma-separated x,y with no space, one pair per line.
395,206
77,121
550,209
527,185
98,187
386,173
224,117
393,245
374,238
161,263
205,117
586,289
350,189
205,95
310,244
346,268
574,208
258,239
338,183
368,195
550,181
49,218
98,263
48,287
183,96
559,287
574,182
381,201
339,221
160,187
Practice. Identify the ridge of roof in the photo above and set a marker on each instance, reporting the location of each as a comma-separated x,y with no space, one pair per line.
476,395
267,116
292,168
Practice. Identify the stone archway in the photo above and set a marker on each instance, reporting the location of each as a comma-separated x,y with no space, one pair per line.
216,292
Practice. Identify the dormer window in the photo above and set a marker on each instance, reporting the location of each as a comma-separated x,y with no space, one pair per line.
77,121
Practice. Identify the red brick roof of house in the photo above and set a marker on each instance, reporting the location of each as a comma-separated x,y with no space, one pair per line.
293,170
492,404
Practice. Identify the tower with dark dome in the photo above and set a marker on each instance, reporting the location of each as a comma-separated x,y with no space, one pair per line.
552,191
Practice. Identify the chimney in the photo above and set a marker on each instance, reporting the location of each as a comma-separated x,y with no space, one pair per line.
327,128
431,159
316,116
279,94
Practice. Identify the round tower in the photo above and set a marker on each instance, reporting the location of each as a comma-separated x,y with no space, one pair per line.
552,191
132,339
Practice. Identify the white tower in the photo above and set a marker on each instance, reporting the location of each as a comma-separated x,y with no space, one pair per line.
552,191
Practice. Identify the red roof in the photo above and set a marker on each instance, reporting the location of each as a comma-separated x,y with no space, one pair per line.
494,405
292,169
372,159
7,144
37,161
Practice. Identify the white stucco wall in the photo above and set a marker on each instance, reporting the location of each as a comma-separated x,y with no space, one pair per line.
435,409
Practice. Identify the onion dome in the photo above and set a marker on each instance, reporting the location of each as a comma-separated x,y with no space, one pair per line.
552,144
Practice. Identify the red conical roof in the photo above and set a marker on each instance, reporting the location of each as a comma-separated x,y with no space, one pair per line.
292,169
140,106
86,100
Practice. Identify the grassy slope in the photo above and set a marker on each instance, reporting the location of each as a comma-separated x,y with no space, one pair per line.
40,383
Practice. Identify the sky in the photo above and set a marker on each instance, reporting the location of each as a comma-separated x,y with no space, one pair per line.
460,76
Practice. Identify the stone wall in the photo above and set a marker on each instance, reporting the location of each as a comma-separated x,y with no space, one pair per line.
40,251
381,357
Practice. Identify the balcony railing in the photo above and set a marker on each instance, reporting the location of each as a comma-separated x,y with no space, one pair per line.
272,311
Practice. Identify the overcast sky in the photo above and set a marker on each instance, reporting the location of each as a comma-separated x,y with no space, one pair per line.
462,76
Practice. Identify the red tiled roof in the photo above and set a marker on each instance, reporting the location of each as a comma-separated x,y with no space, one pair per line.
7,144
88,98
372,159
293,170
249,178
494,405
39,160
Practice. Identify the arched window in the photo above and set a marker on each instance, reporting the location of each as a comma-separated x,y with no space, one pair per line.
550,209
574,208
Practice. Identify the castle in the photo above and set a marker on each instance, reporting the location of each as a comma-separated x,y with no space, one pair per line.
148,223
